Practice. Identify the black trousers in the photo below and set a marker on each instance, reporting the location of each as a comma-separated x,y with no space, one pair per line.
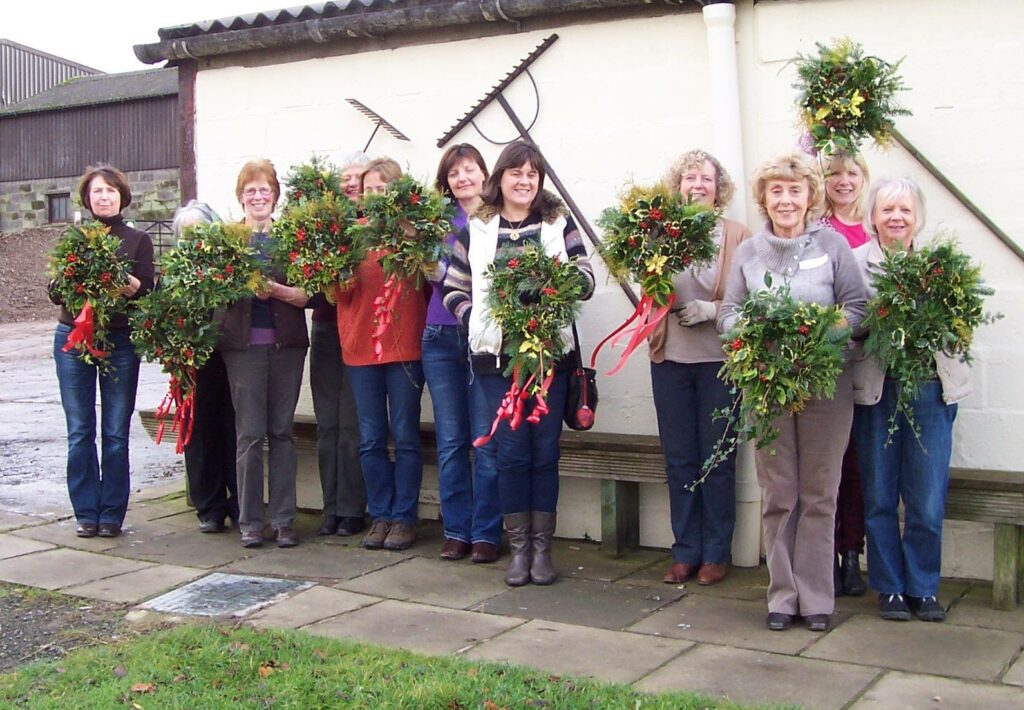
210,455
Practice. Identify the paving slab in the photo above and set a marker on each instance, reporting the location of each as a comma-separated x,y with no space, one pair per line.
746,676
732,622
604,605
315,560
161,507
62,532
54,569
1015,675
920,647
975,609
223,595
576,559
617,656
750,583
134,587
415,627
455,585
14,546
898,691
185,548
310,606
10,520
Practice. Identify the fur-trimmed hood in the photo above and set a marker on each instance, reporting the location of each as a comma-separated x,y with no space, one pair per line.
551,209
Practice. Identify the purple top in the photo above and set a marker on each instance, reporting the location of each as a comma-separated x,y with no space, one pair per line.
437,314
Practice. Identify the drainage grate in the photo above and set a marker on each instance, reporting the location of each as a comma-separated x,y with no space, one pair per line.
220,594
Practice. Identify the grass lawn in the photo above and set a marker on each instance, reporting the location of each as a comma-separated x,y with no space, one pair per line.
209,666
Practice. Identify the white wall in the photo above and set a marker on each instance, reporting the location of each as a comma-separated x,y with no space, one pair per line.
619,101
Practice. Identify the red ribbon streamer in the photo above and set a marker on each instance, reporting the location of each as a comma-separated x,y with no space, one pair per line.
81,336
513,403
184,410
384,312
649,317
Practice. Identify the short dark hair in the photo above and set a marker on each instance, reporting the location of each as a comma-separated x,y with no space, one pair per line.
112,176
451,158
513,156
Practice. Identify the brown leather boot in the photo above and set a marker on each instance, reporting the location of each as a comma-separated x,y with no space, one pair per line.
518,526
542,529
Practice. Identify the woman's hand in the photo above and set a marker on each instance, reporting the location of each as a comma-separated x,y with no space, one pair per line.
287,294
132,288
694,312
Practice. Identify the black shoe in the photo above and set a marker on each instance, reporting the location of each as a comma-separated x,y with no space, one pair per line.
818,623
837,579
926,608
351,525
778,621
109,529
853,583
328,525
86,530
211,525
893,607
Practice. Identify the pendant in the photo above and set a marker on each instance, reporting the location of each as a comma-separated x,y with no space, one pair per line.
514,236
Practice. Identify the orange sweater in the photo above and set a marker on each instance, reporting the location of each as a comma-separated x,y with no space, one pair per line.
356,323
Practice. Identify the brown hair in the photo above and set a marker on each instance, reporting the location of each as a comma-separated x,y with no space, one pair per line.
725,188
112,176
514,155
794,166
255,170
452,157
387,168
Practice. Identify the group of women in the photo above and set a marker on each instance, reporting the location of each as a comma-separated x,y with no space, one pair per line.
818,237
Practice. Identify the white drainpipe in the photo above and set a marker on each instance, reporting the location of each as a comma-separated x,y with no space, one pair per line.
720,21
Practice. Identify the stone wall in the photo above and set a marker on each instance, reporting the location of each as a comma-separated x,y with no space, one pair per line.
155,195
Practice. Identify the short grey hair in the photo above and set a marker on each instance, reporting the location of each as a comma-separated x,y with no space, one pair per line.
356,157
890,189
192,213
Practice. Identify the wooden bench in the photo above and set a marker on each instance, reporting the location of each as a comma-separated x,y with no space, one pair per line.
621,462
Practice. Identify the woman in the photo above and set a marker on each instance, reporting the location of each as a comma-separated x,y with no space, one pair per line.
387,389
210,453
515,212
845,178
686,355
904,569
337,427
99,491
800,478
263,342
469,494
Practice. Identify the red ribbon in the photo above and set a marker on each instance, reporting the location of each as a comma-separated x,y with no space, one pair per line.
184,409
513,403
384,312
649,317
81,336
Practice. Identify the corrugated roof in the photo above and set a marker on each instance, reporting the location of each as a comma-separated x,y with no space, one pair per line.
284,16
49,57
100,89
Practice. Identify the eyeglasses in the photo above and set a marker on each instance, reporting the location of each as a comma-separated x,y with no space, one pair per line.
261,191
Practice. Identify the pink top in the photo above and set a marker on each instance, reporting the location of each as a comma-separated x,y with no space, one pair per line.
854,233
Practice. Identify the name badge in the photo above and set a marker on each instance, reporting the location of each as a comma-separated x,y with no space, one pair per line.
814,263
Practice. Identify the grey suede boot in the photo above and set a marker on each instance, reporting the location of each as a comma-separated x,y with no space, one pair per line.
542,571
518,526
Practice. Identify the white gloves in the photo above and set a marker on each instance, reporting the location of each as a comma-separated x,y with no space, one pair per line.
694,312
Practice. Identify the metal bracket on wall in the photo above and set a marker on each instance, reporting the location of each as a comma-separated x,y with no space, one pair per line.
379,122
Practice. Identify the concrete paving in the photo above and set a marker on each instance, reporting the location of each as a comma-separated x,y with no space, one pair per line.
57,568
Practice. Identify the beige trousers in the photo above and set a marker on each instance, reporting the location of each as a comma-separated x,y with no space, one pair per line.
800,482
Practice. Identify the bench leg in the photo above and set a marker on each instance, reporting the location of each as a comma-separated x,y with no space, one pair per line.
620,517
1006,569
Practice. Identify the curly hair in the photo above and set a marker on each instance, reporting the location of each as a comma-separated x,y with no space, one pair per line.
791,167
725,188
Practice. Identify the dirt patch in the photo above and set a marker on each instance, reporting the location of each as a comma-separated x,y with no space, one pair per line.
24,257
37,625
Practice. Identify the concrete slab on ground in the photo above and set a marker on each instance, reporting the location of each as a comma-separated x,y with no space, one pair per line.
62,532
185,548
897,691
223,595
603,605
975,609
415,627
576,559
617,656
745,676
54,569
749,583
161,507
456,585
920,647
135,587
15,546
310,606
1015,674
11,521
730,622
316,560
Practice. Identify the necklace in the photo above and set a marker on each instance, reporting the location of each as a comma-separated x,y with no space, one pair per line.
514,234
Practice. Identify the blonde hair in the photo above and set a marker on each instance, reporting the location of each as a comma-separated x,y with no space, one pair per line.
792,167
843,160
725,188
387,168
256,170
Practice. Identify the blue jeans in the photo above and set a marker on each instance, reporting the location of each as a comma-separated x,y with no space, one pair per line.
685,396
527,458
470,506
99,492
916,472
384,394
